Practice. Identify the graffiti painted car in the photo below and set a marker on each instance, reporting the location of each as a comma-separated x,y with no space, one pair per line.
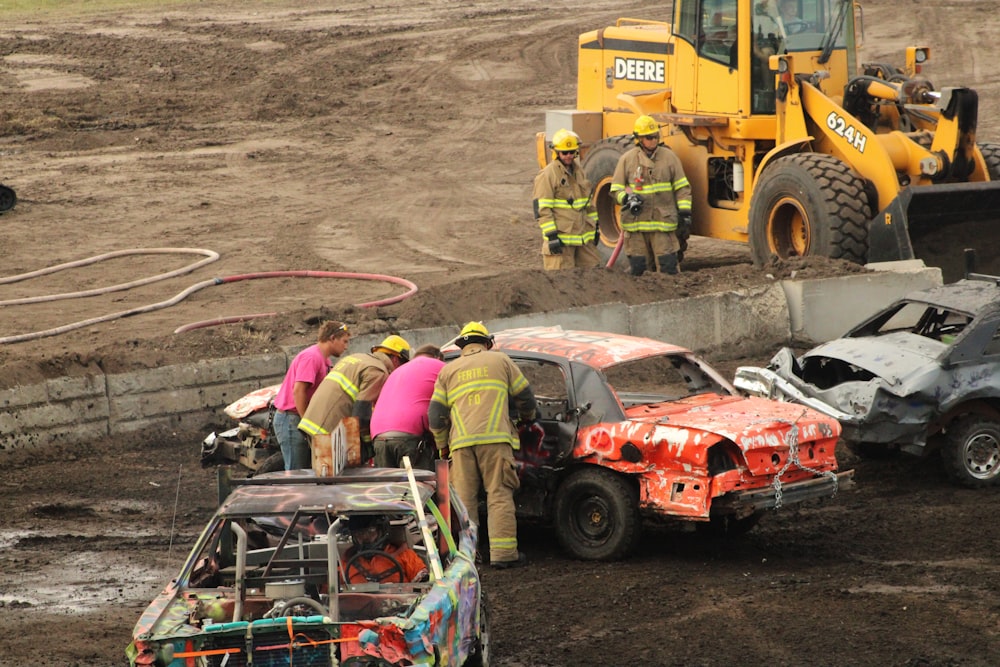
637,429
921,375
278,577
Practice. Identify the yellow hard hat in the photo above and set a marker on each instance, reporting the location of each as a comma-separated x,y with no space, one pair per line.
396,345
645,126
565,140
474,332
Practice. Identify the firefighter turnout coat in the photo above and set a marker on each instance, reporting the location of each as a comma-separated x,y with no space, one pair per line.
471,398
356,377
562,204
661,183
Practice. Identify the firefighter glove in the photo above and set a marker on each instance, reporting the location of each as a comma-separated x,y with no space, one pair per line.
597,235
684,225
555,244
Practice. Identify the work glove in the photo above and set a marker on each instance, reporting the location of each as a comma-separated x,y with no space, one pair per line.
684,228
683,234
555,244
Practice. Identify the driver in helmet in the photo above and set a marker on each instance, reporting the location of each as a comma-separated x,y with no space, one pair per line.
563,209
373,558
351,389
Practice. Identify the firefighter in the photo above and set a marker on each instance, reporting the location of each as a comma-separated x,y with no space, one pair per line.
469,415
655,196
351,388
563,209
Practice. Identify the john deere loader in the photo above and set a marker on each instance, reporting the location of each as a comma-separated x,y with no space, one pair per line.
789,143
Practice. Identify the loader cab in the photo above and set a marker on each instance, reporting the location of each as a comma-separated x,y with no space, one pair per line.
728,43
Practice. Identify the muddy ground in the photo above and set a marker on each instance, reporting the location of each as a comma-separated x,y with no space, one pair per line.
396,139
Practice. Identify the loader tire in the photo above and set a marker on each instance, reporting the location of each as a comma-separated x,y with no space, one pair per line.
599,166
991,153
809,204
7,198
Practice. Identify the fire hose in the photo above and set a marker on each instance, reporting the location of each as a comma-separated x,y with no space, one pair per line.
210,256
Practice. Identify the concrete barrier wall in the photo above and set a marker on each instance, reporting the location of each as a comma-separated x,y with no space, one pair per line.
188,397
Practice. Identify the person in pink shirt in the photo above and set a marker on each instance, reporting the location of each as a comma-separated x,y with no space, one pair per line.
304,375
399,420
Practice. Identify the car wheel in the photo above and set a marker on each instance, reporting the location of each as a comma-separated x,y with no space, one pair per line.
971,451
597,515
272,463
729,526
480,656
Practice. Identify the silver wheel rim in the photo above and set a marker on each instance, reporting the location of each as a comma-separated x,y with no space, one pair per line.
981,456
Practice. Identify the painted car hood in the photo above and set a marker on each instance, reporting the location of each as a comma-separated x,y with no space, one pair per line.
749,422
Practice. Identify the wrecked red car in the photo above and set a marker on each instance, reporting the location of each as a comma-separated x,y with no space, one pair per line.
637,429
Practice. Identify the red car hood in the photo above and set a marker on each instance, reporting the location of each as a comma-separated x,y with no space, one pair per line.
751,423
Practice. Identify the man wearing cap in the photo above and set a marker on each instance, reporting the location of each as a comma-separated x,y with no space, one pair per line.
469,415
351,388
303,378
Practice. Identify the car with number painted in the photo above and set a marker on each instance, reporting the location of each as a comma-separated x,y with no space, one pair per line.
922,375
280,576
636,430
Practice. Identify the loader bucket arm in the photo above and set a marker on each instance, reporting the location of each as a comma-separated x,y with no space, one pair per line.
923,219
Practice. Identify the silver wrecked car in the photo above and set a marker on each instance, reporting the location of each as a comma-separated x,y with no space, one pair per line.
919,376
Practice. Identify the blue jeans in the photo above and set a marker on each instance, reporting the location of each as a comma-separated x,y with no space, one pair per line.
294,446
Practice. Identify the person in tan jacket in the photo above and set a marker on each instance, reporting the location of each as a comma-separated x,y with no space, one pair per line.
469,415
561,197
655,195
351,388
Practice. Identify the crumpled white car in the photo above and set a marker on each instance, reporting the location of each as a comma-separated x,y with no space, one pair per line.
921,375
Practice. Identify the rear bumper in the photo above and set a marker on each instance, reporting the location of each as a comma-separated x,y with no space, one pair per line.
746,502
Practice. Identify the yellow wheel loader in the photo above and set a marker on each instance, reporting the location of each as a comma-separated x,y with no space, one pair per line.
789,144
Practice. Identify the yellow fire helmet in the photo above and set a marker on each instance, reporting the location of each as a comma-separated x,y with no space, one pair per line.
396,345
565,140
474,332
645,126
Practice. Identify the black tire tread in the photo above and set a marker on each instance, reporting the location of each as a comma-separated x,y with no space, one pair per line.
845,206
617,489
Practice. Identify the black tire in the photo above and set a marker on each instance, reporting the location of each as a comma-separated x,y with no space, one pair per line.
480,656
599,166
272,463
991,153
970,452
809,204
728,526
597,515
7,198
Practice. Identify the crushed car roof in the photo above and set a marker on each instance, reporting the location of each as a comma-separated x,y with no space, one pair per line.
361,490
971,296
594,348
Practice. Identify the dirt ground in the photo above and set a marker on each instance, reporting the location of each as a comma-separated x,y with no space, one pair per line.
396,140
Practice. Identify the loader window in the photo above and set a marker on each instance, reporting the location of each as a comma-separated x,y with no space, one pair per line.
718,34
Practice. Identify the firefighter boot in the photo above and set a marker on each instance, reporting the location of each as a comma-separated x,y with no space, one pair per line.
638,264
668,263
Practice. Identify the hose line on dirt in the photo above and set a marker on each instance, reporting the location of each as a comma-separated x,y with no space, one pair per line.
210,257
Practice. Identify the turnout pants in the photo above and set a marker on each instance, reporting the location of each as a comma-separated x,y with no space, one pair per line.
492,466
